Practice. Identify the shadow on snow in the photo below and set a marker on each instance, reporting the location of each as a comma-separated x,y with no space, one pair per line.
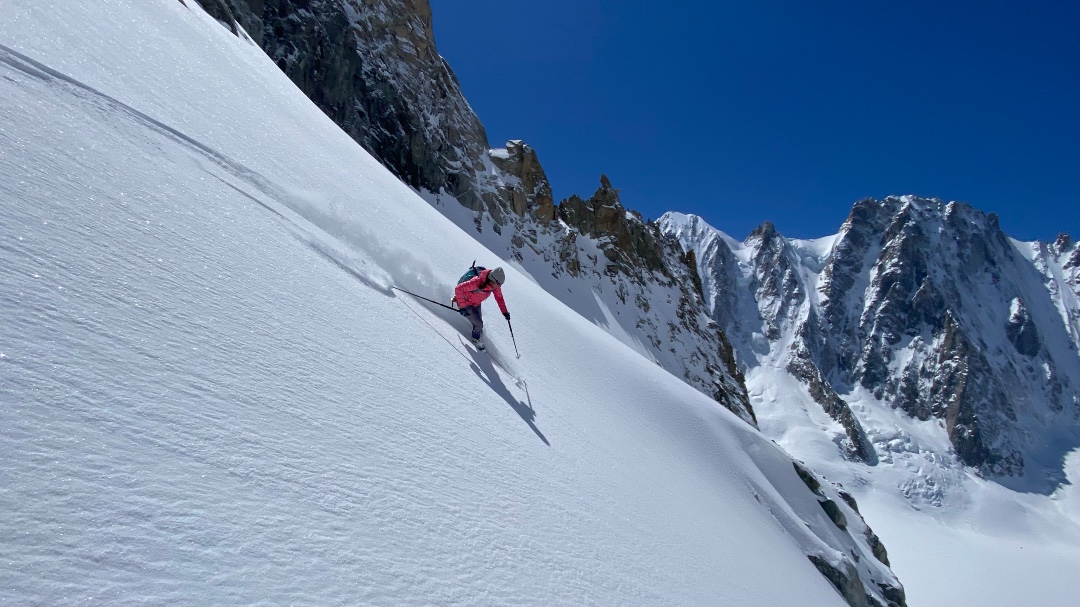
486,371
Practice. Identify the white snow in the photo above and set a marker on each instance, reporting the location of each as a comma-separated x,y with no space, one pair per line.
211,395
953,538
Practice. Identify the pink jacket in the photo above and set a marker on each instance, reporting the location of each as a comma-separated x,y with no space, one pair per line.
471,293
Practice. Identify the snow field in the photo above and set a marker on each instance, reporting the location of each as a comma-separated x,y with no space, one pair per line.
953,538
211,395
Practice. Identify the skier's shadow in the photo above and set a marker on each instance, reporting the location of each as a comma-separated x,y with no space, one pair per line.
486,371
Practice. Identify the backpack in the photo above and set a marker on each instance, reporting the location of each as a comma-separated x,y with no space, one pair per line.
473,272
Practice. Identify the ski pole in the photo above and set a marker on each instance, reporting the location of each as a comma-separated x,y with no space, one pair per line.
512,337
426,299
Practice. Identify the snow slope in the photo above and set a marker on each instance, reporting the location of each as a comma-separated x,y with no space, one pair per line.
211,395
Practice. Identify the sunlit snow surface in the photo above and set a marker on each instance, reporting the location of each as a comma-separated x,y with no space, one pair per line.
953,538
210,395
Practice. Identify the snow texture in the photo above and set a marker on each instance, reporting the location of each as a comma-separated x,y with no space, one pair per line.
212,395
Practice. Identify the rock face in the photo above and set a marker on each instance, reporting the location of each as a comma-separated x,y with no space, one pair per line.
369,66
846,571
628,241
929,307
649,290
525,188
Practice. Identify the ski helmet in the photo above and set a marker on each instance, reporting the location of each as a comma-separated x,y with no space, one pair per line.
497,276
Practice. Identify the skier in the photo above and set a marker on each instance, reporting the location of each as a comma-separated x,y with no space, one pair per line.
472,291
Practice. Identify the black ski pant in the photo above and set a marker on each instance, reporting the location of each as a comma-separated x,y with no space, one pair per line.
474,316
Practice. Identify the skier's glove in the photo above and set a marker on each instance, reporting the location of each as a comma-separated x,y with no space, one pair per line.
506,315
463,312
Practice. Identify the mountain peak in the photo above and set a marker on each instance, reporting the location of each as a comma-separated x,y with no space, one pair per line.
764,232
1063,242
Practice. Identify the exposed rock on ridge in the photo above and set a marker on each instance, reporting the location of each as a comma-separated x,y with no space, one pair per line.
531,192
644,278
370,66
626,239
843,573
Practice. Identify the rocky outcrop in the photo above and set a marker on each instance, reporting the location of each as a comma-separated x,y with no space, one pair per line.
845,578
526,187
624,237
656,288
1021,329
371,67
857,446
842,569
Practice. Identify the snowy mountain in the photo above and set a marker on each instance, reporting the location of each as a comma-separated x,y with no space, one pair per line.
913,348
212,393
373,67
926,305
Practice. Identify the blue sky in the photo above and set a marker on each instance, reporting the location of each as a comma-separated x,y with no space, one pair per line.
786,111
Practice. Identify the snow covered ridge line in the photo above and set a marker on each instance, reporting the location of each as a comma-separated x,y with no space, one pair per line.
928,306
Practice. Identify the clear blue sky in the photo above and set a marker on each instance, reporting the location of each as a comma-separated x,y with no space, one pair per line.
785,110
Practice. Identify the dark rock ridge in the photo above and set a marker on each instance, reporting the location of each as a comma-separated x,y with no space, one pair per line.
528,191
856,446
650,280
844,575
369,66
627,240
931,308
